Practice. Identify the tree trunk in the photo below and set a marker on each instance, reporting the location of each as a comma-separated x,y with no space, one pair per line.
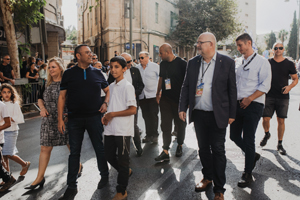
11,38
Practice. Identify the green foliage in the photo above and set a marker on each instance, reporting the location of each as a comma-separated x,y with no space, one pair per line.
270,40
25,48
26,12
198,16
283,35
292,45
71,34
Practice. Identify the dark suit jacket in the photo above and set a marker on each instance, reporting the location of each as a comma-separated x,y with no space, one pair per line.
224,93
137,81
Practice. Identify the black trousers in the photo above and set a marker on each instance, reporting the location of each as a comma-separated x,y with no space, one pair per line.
120,161
5,175
137,136
211,141
169,112
243,129
150,114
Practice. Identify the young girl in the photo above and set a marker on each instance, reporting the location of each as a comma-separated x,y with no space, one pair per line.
11,99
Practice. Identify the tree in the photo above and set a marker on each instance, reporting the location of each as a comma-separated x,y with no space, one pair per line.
283,35
198,16
270,40
71,34
26,13
292,45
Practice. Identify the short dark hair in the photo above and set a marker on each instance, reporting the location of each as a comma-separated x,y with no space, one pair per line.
134,60
76,50
120,60
70,65
244,37
106,60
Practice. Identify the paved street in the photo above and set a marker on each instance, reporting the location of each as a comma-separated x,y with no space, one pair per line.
277,176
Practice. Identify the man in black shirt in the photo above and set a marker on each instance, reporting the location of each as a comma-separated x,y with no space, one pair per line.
171,76
6,71
278,97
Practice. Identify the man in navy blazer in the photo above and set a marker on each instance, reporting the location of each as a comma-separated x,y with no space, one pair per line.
209,91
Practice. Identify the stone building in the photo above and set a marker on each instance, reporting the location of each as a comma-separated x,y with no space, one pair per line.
108,24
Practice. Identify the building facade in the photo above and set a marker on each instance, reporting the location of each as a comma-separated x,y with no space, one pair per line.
105,26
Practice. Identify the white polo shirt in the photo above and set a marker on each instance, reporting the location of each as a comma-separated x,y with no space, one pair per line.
3,114
122,95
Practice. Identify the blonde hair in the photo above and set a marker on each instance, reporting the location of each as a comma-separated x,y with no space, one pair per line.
60,64
15,98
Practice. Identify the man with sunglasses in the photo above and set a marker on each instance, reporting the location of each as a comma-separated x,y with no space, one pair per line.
95,59
253,81
150,74
6,71
133,76
278,97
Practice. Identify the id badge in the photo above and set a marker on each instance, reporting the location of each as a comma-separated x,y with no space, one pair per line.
199,90
168,84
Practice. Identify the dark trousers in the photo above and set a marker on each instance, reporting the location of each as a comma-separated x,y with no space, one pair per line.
76,128
211,141
169,112
120,161
242,131
137,136
150,114
5,175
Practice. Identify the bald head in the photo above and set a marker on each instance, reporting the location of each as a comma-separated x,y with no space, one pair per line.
165,52
206,45
207,36
166,47
128,59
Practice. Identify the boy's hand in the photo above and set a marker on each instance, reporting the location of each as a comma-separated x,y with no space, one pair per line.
106,118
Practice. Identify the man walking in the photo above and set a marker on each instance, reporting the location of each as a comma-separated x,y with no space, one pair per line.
253,81
171,76
81,85
95,59
209,91
278,97
133,76
6,71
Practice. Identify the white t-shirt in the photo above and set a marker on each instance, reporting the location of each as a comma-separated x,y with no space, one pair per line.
3,114
16,114
122,95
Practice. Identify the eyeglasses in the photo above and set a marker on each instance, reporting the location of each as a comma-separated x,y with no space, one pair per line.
199,42
141,58
95,58
280,48
129,61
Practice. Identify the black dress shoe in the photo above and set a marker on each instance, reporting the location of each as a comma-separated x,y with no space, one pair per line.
103,182
69,194
246,180
179,151
163,157
32,187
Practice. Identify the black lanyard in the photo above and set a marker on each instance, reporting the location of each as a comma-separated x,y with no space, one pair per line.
203,72
248,63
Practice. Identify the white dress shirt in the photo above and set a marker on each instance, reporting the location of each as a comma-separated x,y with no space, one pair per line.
205,101
150,76
255,76
122,95
127,76
16,114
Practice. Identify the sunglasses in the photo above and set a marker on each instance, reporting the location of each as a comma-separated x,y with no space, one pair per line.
141,58
280,48
7,58
129,61
95,58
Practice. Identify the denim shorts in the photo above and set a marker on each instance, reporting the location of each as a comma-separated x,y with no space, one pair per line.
281,107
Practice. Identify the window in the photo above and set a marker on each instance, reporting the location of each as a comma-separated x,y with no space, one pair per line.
127,8
172,22
156,12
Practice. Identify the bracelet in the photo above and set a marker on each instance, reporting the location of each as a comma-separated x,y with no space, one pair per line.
106,103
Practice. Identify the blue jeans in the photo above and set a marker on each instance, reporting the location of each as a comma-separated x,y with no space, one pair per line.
246,122
76,128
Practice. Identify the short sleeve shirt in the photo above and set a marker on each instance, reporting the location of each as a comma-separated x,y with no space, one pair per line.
83,90
32,74
280,77
6,70
175,72
3,114
122,95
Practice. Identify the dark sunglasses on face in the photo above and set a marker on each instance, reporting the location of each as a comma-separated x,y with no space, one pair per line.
7,58
95,58
141,58
129,61
280,48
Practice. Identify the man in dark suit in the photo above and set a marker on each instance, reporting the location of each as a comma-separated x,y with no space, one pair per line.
209,91
133,75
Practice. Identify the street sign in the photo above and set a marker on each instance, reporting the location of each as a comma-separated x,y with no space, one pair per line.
127,46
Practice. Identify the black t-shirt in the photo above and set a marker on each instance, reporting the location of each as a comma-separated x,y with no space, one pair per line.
175,71
83,90
6,70
280,77
32,74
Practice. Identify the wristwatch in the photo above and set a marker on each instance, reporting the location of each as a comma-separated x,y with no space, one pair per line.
106,103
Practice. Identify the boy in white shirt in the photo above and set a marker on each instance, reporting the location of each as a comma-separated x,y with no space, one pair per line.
119,124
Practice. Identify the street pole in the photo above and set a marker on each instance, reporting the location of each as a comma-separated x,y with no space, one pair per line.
130,17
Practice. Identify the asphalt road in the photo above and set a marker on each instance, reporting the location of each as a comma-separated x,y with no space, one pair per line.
276,176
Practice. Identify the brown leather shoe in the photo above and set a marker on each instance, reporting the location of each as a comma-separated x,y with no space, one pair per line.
203,185
219,196
120,196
